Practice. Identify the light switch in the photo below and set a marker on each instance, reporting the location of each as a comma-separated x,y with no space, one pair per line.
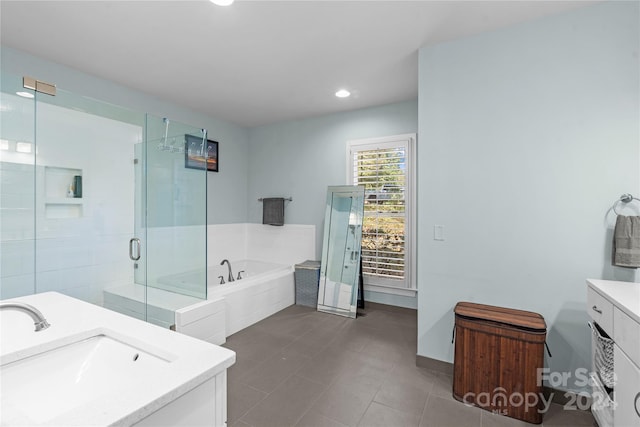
438,232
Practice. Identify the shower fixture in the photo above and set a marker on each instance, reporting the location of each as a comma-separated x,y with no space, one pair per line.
176,145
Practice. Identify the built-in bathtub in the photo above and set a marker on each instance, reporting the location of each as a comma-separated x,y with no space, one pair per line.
264,289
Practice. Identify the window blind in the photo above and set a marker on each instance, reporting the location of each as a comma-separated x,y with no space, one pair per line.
383,172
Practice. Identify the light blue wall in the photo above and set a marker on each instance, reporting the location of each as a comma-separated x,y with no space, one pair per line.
227,201
302,158
526,137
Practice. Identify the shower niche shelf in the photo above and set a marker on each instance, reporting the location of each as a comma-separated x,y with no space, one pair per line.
57,182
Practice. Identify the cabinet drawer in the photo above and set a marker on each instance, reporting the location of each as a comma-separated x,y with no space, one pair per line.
600,310
627,335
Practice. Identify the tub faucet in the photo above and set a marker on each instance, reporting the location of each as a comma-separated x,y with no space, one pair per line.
230,278
38,319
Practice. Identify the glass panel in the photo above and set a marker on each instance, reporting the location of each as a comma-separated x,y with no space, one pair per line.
176,211
84,195
339,272
17,175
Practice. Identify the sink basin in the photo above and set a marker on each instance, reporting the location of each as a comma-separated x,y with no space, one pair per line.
49,384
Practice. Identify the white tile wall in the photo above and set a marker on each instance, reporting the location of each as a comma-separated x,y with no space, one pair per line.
289,244
226,241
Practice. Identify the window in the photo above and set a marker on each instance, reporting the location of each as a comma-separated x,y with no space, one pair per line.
385,167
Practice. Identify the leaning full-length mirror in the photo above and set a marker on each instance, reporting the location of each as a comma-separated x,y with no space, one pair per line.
340,268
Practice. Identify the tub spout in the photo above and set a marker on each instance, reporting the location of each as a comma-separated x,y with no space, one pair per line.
38,319
230,278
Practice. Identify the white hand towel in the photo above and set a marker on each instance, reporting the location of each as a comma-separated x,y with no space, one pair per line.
626,242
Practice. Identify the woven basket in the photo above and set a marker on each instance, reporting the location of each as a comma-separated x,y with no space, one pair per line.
603,355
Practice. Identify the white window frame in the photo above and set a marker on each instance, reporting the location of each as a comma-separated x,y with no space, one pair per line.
380,284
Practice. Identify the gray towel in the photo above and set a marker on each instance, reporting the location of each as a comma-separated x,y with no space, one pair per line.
626,241
273,211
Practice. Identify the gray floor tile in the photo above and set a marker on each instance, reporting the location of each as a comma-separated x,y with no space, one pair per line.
442,385
406,390
305,368
257,345
286,404
347,401
326,365
313,419
275,370
493,420
559,416
378,415
240,399
442,412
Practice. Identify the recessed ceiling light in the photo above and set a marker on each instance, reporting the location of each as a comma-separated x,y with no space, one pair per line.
25,94
222,2
343,93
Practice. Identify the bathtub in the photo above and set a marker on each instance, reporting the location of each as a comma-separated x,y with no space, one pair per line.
265,289
190,282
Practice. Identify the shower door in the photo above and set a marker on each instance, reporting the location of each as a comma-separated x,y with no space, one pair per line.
339,271
79,178
171,218
67,179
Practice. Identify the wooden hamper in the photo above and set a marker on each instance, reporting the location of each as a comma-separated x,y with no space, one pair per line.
498,352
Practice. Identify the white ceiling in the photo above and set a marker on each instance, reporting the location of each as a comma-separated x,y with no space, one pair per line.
256,62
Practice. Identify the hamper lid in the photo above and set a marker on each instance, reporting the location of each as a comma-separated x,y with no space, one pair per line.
309,265
507,316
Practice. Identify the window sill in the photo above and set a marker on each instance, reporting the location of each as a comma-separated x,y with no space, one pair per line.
393,290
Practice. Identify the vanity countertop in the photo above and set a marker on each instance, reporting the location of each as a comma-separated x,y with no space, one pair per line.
624,295
190,362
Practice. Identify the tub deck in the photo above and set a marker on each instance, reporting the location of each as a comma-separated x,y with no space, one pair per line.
228,308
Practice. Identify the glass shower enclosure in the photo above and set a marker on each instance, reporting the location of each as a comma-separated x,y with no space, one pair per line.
92,204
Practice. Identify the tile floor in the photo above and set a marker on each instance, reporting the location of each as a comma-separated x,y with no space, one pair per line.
300,367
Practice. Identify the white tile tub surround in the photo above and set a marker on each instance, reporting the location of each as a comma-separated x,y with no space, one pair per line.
253,299
288,245
205,320
226,241
191,389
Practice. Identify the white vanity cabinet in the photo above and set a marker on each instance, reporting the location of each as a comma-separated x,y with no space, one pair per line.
615,307
627,390
96,367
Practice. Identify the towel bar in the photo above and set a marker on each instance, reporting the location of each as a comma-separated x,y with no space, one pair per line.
625,198
288,199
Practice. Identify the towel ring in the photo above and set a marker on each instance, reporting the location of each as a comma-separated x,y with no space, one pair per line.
625,198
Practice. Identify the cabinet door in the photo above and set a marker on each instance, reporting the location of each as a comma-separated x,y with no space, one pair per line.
627,391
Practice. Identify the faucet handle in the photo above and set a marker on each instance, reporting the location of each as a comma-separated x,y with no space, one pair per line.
240,274
221,279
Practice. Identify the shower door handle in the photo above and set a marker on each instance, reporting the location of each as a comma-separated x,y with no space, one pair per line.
134,247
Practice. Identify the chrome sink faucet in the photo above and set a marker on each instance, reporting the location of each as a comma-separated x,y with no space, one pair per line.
230,278
38,319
